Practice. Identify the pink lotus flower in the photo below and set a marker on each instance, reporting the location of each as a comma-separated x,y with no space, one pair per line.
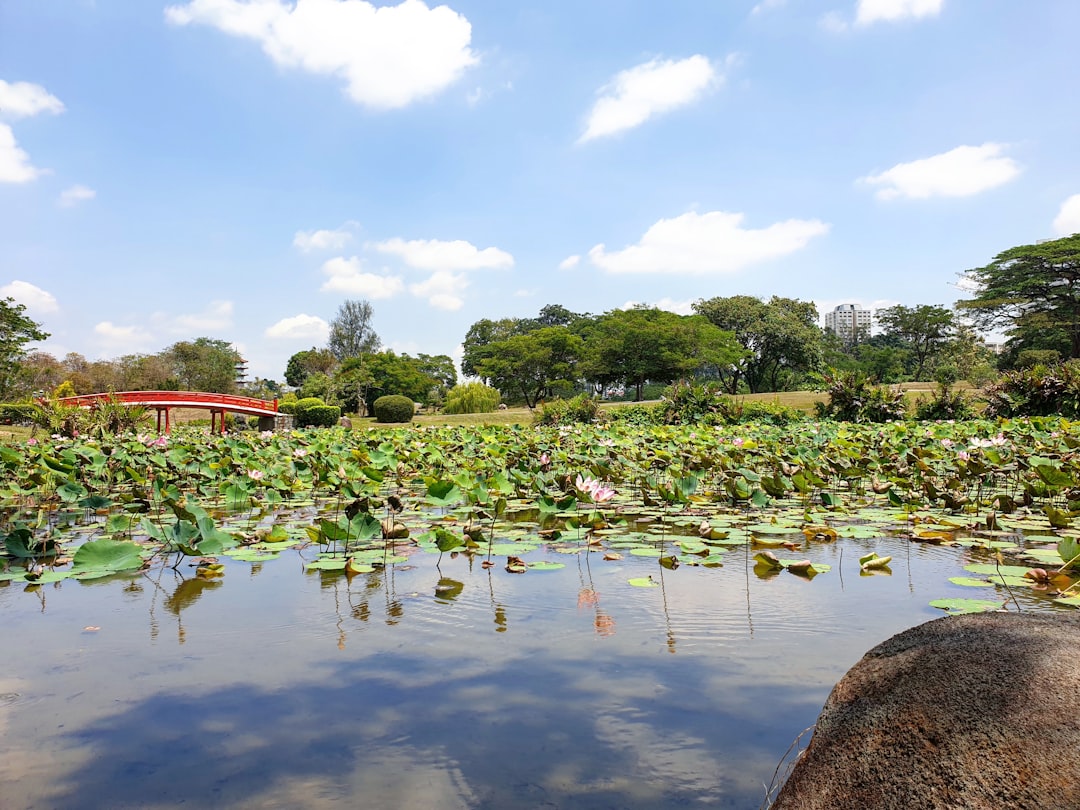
255,475
545,459
594,490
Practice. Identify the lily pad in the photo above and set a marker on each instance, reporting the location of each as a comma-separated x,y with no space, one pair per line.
958,606
643,582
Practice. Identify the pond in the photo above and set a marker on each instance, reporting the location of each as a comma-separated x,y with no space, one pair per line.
456,685
523,637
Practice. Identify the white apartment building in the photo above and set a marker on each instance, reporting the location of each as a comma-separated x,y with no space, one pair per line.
849,322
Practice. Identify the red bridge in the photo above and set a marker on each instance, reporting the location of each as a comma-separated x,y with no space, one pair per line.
164,401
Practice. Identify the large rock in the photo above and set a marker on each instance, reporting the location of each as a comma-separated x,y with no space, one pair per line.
976,712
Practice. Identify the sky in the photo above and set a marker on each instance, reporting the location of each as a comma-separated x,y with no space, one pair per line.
237,169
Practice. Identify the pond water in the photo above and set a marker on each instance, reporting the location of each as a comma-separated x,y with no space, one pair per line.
437,682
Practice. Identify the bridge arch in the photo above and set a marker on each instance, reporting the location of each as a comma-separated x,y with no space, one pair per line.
164,401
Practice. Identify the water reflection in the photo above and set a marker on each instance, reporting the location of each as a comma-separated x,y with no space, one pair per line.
434,682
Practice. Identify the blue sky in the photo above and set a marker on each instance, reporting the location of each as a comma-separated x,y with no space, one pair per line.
238,168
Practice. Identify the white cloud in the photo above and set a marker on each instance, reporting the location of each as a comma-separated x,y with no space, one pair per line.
767,5
1067,221
443,290
299,327
217,316
710,243
668,304
32,297
636,95
23,99
321,240
868,12
128,338
433,254
834,22
570,262
347,276
960,172
14,162
388,56
75,195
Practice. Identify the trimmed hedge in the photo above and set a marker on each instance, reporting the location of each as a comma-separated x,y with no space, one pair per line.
318,416
394,408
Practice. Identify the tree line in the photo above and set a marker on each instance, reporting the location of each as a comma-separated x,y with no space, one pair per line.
744,343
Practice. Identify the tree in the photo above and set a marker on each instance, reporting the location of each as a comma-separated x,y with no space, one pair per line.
780,337
16,330
528,365
204,364
351,333
639,345
1033,292
926,330
307,362
479,338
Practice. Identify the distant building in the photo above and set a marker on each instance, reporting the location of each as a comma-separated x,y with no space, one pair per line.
849,322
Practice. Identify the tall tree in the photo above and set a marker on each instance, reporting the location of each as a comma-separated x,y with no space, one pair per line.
16,330
527,366
1033,292
925,329
781,339
480,336
640,345
307,362
351,332
205,364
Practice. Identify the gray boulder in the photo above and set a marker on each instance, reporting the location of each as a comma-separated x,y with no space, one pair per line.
976,712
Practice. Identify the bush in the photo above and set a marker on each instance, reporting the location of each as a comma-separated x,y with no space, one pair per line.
688,403
772,413
287,403
637,415
19,413
581,409
1037,391
853,397
946,404
471,397
394,408
318,416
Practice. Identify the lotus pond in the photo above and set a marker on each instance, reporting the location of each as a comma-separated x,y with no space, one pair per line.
487,617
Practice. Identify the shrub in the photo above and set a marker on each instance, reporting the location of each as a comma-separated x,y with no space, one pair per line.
318,416
581,409
19,413
637,415
1037,391
946,404
853,397
287,403
394,408
474,397
64,389
687,403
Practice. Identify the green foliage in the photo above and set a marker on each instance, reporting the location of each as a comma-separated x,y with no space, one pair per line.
1029,358
65,389
780,340
581,409
687,403
474,397
104,418
351,332
924,330
318,416
637,415
1036,391
530,364
1033,291
204,364
298,407
400,374
946,404
16,330
394,408
853,397
305,363
19,413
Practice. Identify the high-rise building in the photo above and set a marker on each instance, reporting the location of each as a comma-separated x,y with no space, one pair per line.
849,322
